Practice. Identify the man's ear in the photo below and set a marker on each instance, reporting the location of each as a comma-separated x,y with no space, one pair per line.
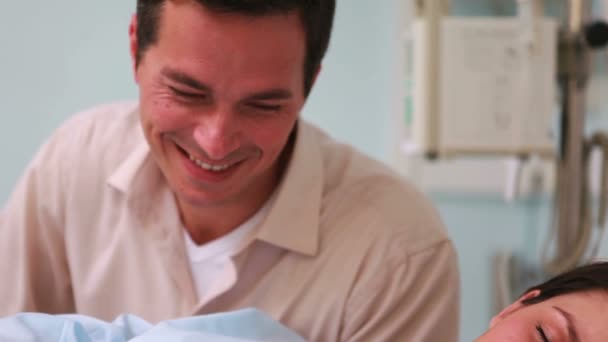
514,307
133,44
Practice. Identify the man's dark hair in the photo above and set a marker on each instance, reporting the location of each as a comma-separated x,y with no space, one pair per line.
585,278
317,17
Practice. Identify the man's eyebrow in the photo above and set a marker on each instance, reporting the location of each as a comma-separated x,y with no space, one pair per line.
572,331
272,94
185,79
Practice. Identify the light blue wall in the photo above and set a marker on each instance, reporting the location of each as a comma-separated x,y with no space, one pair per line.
60,57
354,97
56,58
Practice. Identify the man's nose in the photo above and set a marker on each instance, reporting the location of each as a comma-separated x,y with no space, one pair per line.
217,133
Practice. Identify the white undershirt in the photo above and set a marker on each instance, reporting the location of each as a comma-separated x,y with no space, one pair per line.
211,264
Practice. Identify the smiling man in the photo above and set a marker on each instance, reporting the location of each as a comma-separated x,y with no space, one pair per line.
210,194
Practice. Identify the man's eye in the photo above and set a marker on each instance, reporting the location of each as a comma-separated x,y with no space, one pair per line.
186,94
266,107
541,333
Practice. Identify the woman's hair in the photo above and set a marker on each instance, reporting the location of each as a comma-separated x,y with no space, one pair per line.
585,278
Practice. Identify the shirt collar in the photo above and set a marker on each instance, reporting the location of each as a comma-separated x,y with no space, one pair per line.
137,175
293,220
125,175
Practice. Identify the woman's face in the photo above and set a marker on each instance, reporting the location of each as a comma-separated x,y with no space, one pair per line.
581,316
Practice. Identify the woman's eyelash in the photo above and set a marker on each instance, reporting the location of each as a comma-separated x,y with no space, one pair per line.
541,333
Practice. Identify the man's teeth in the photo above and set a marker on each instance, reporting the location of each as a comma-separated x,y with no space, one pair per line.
208,167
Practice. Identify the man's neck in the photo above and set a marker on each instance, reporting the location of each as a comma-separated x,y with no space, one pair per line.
209,223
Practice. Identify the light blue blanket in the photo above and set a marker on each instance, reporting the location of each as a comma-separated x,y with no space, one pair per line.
243,325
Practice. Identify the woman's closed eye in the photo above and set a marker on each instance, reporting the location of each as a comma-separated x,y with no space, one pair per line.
541,333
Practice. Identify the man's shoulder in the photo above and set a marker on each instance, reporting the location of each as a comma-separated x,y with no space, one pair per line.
109,110
101,121
366,197
96,140
101,128
345,167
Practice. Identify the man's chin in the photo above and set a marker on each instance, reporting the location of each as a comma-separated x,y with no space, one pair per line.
205,200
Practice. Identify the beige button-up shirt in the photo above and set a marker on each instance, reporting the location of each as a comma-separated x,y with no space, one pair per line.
347,252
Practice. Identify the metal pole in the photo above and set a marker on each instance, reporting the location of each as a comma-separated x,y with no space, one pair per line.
433,11
575,68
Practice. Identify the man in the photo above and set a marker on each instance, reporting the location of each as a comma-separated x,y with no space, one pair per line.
212,195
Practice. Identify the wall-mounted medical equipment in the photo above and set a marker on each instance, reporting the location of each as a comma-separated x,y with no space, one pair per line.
482,86
514,87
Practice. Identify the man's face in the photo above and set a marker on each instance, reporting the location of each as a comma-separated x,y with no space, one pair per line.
219,97
567,318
